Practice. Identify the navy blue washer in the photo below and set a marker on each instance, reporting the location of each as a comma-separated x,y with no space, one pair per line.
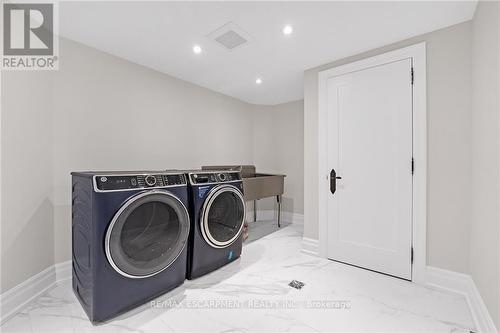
217,211
129,237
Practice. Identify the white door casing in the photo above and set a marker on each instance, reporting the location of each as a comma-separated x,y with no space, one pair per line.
370,147
415,54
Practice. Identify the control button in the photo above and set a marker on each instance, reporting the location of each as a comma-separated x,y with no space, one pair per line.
150,180
222,177
104,179
133,181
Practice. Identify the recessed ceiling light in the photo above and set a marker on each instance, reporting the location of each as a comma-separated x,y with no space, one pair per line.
197,49
287,30
258,81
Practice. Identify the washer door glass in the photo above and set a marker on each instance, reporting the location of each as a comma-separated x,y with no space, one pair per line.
223,216
147,234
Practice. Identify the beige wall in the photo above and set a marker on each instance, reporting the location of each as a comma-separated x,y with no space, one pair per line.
448,149
279,148
27,241
102,112
485,222
112,114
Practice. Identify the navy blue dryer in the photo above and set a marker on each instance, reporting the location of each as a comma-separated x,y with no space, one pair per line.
217,217
130,231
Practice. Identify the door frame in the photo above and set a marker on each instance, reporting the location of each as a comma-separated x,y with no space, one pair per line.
419,206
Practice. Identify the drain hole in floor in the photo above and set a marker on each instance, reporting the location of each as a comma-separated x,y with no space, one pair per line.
296,284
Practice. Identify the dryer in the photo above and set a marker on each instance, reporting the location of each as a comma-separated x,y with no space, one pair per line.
130,232
217,212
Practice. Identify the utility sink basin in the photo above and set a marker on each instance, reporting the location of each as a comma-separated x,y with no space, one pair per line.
257,185
263,185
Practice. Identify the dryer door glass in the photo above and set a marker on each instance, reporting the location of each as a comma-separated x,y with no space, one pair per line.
224,216
147,234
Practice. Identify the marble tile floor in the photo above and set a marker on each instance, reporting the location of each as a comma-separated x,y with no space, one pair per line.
262,228
252,295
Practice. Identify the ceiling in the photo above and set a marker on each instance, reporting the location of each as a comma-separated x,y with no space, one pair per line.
161,35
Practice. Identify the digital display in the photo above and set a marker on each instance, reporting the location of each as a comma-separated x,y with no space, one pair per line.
116,182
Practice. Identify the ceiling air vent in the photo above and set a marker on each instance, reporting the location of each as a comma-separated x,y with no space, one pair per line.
230,36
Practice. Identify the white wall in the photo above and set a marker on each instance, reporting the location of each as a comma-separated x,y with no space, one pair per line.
449,76
27,241
279,148
485,222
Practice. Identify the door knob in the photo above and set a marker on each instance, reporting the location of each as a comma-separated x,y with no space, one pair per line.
333,181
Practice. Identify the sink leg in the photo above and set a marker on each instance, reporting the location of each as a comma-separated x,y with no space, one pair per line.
278,199
255,210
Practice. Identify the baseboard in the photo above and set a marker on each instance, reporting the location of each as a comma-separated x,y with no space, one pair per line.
297,218
14,299
463,284
272,215
310,246
63,271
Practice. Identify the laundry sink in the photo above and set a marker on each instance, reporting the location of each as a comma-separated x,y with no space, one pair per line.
262,185
257,185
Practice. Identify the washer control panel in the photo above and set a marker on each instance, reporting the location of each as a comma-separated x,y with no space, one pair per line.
123,182
214,177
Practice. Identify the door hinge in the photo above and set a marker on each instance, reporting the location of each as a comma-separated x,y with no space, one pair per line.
412,76
412,166
412,255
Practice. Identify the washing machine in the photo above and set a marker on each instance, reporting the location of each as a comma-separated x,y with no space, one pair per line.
130,232
217,212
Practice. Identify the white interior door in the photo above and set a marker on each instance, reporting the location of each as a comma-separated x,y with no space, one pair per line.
370,148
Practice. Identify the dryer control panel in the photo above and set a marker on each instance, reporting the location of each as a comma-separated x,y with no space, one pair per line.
124,182
214,177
